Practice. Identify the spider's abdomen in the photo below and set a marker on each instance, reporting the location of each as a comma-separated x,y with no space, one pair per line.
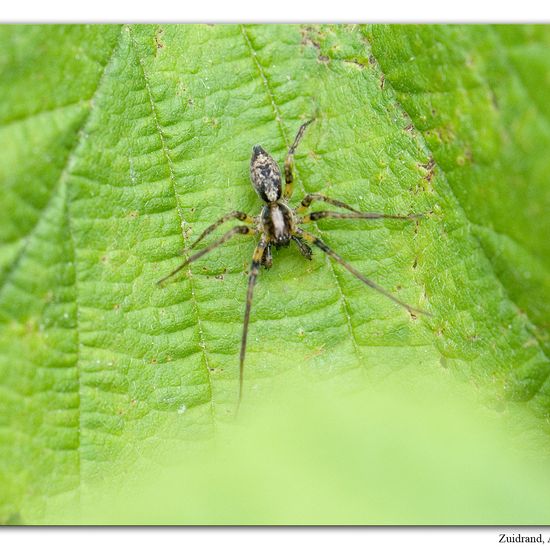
265,175
277,223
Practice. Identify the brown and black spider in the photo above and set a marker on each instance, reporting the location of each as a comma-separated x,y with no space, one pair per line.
277,224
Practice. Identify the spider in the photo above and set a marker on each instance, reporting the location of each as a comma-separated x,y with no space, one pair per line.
278,225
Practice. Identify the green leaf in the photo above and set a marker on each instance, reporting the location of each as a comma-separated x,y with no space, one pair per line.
119,144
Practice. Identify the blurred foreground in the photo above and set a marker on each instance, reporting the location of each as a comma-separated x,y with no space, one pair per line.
412,453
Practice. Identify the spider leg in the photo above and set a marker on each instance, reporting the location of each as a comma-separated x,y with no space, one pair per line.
313,216
327,250
238,230
267,258
304,248
236,214
289,178
252,276
312,197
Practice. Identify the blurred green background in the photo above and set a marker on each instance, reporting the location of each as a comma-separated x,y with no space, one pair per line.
119,144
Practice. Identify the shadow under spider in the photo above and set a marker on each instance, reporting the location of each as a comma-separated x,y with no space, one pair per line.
278,225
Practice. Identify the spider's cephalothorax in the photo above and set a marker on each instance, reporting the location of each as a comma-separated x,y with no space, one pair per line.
278,225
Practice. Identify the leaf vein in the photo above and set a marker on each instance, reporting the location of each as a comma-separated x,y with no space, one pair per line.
172,179
67,207
278,118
